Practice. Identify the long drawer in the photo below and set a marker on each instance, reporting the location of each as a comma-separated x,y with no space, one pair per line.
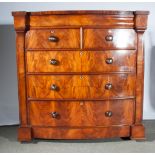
88,113
81,61
80,86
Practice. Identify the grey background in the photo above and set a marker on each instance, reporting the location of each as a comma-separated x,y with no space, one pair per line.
8,79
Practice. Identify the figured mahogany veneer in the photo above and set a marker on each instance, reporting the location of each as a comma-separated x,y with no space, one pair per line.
70,38
80,133
80,86
109,39
81,61
65,38
83,113
80,74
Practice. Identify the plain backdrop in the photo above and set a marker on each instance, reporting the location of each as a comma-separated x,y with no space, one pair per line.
8,78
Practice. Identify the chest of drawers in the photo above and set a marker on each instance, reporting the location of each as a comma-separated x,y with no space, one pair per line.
80,74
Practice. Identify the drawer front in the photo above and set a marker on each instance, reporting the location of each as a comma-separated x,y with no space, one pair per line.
54,38
69,113
80,86
53,61
108,61
125,21
110,39
81,61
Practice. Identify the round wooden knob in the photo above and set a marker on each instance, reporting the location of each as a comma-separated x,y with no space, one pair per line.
53,39
109,60
54,114
108,86
54,87
53,62
108,113
109,38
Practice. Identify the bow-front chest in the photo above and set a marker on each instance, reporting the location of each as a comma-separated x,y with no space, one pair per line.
80,74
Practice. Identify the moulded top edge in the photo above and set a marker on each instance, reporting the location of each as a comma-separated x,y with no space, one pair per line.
103,12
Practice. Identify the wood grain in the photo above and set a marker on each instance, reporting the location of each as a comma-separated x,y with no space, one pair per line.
81,61
81,12
24,134
123,21
138,130
82,113
81,133
67,38
122,39
83,41
20,57
84,86
68,61
95,61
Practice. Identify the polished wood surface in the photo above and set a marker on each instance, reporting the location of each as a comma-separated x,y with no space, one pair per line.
80,74
20,39
80,12
81,133
39,39
96,61
81,61
82,20
67,61
98,38
80,86
82,113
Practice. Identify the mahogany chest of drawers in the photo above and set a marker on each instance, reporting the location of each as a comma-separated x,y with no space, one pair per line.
80,74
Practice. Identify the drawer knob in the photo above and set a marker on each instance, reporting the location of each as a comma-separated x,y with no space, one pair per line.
53,62
108,113
54,114
54,87
109,38
53,39
108,86
109,61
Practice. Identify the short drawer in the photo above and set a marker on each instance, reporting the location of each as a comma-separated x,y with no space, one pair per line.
53,39
53,61
81,61
110,39
80,86
81,113
108,61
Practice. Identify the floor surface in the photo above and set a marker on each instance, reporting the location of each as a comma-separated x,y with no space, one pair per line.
9,143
